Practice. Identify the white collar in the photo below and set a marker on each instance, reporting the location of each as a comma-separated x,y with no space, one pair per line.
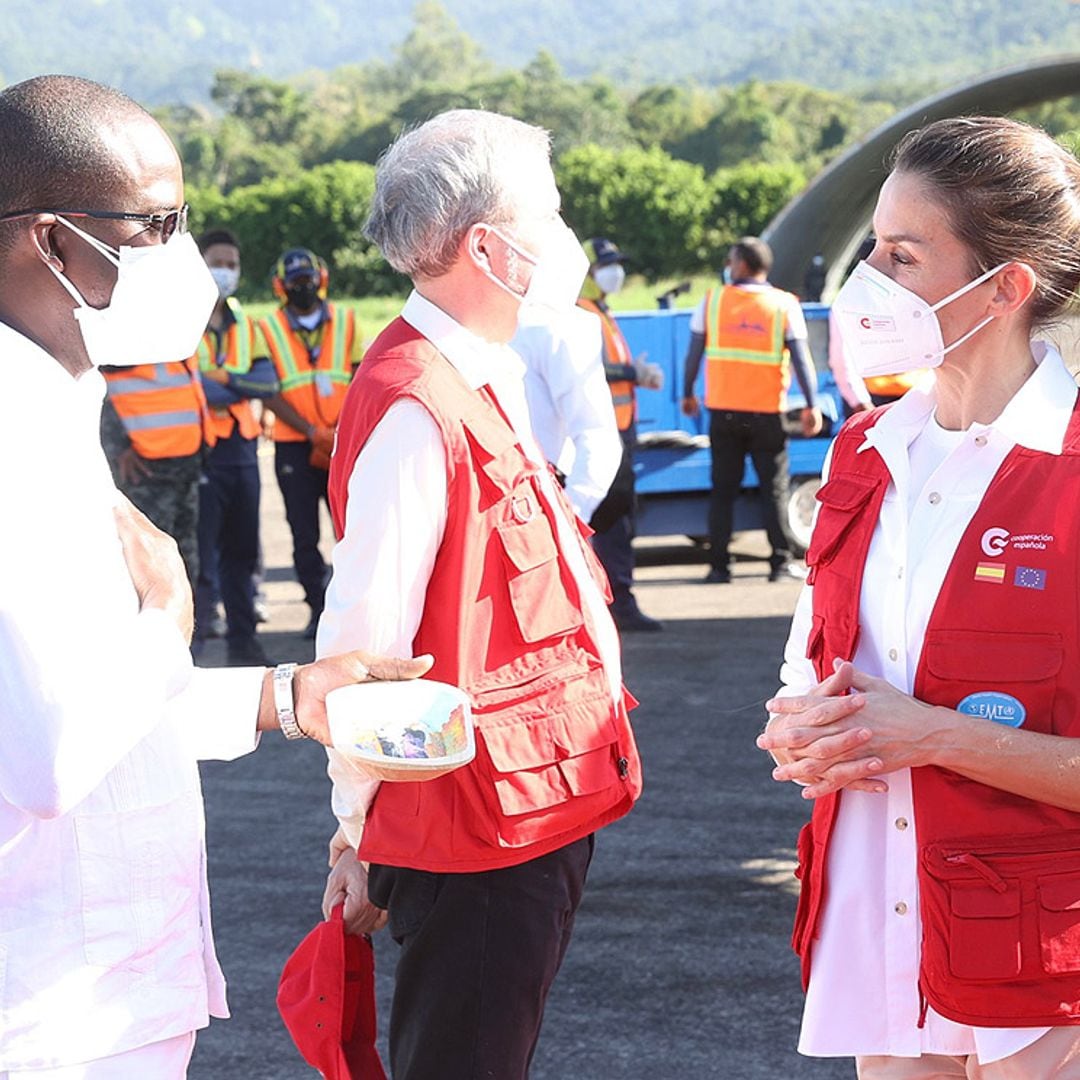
479,362
1036,417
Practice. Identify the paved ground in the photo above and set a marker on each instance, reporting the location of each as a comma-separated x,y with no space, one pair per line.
680,967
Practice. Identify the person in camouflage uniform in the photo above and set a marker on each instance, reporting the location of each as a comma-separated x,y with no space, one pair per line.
153,431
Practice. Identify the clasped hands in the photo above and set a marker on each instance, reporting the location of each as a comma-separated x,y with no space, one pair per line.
846,732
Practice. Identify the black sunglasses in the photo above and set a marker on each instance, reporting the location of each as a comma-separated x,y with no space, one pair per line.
169,223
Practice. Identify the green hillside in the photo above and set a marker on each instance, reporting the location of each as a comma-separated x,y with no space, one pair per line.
163,51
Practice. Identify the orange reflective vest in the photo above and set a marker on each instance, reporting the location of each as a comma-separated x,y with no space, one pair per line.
617,357
243,344
162,407
894,386
313,383
504,619
747,368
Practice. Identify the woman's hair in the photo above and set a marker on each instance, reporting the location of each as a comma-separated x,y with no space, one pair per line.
1010,192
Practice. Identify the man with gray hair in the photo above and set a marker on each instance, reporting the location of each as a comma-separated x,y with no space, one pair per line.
461,543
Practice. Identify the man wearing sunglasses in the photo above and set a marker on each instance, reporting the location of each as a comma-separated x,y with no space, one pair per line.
107,966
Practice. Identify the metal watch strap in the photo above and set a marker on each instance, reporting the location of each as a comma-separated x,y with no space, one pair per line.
284,701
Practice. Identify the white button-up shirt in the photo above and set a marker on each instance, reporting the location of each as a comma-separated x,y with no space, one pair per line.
105,940
863,997
570,405
394,524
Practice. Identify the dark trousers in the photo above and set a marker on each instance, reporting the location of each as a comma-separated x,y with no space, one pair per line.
614,546
303,487
169,497
733,435
228,546
479,953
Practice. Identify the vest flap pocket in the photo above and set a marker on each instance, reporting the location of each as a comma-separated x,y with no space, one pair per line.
527,792
527,542
984,656
841,498
526,745
1059,923
978,900
846,492
591,772
494,449
1060,894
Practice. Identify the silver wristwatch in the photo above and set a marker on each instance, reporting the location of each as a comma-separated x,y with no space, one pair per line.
284,701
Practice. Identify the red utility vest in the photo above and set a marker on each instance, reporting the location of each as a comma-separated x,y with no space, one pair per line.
999,875
504,620
616,355
747,367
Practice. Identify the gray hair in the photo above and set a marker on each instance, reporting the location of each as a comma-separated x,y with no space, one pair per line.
438,180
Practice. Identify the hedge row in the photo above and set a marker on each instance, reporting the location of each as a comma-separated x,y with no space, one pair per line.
667,214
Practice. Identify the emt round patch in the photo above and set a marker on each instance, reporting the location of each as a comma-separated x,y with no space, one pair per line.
991,705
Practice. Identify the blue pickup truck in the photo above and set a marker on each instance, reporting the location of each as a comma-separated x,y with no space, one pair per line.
672,462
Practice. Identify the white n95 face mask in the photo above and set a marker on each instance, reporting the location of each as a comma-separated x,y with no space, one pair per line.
159,306
226,279
888,329
557,274
609,279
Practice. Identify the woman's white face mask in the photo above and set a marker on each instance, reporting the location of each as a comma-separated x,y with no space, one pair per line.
888,329
159,306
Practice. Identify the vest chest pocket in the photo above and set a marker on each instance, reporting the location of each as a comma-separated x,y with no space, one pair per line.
534,580
1008,678
841,500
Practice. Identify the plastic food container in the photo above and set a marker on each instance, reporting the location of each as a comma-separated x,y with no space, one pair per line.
394,731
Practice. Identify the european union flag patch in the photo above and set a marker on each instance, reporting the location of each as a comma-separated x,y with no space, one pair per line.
1028,577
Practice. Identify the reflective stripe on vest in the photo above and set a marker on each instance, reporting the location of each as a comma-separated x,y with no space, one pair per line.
747,367
162,408
616,354
238,360
297,373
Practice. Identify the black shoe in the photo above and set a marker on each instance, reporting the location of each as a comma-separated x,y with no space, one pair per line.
636,621
788,571
312,626
246,653
718,575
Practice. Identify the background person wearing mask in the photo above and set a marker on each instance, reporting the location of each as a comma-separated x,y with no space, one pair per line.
108,958
751,335
315,346
613,520
570,406
235,368
931,698
456,535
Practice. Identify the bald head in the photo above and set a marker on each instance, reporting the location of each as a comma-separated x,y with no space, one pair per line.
66,141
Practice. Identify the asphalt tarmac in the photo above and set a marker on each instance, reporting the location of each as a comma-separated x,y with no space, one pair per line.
680,966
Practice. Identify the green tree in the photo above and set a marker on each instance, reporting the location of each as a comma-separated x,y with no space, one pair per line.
323,209
653,206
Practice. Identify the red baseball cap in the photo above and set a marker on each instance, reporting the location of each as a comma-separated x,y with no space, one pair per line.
326,996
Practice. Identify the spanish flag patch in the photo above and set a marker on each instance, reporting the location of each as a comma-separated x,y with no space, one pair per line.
990,571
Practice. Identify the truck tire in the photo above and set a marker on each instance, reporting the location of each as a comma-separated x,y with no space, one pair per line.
800,510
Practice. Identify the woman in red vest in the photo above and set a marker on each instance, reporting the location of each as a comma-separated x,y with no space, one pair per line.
932,678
